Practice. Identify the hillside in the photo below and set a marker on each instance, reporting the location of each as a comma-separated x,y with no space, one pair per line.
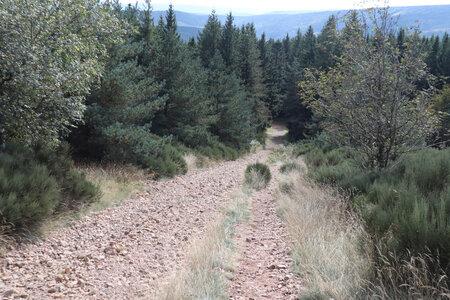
433,19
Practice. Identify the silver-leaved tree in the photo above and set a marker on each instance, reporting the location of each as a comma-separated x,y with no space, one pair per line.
51,52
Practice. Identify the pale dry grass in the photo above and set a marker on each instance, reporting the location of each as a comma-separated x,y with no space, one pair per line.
211,259
116,183
254,180
191,161
328,242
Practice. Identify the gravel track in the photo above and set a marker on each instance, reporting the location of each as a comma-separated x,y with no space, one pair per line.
124,252
264,270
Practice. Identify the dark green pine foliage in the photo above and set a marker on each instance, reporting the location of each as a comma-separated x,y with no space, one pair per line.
328,45
186,113
276,77
444,57
228,42
209,39
432,59
120,113
233,111
248,68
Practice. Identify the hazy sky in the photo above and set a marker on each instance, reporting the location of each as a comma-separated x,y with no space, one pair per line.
264,6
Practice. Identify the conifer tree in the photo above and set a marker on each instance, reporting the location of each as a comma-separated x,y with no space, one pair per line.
187,111
249,71
328,45
209,39
228,41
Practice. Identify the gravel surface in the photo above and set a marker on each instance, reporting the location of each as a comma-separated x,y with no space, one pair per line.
264,270
126,252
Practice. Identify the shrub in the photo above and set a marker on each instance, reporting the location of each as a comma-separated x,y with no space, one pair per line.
28,193
75,188
289,167
37,181
257,176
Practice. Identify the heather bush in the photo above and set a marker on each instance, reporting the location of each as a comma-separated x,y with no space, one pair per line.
406,207
36,182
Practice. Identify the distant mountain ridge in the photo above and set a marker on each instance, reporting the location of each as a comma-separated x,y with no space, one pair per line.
433,19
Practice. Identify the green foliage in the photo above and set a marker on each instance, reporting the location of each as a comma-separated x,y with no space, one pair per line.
441,106
74,187
28,192
257,175
51,54
36,182
345,99
406,207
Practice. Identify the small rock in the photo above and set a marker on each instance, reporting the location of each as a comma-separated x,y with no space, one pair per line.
109,250
59,278
248,240
52,290
58,296
9,293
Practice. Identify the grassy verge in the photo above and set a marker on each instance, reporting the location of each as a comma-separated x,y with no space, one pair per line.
116,184
329,242
404,210
211,259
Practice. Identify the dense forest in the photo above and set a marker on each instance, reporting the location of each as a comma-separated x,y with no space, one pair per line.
90,81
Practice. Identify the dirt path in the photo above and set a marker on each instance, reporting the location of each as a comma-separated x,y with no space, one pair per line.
123,252
265,266
127,252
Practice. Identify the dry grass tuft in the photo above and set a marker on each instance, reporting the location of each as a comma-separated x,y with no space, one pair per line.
211,259
329,242
191,161
419,277
117,182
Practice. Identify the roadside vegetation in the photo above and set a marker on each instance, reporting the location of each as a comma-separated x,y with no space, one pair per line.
376,140
330,246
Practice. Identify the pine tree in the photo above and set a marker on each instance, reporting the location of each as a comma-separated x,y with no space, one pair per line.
187,111
444,57
120,113
249,71
209,39
228,41
328,45
432,59
232,110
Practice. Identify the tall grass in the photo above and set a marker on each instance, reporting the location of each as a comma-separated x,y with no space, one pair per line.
211,258
406,211
329,242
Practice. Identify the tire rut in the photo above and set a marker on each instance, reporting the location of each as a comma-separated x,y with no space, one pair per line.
264,270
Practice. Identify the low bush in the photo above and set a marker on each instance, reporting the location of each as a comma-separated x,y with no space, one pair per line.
257,176
36,182
406,207
289,167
